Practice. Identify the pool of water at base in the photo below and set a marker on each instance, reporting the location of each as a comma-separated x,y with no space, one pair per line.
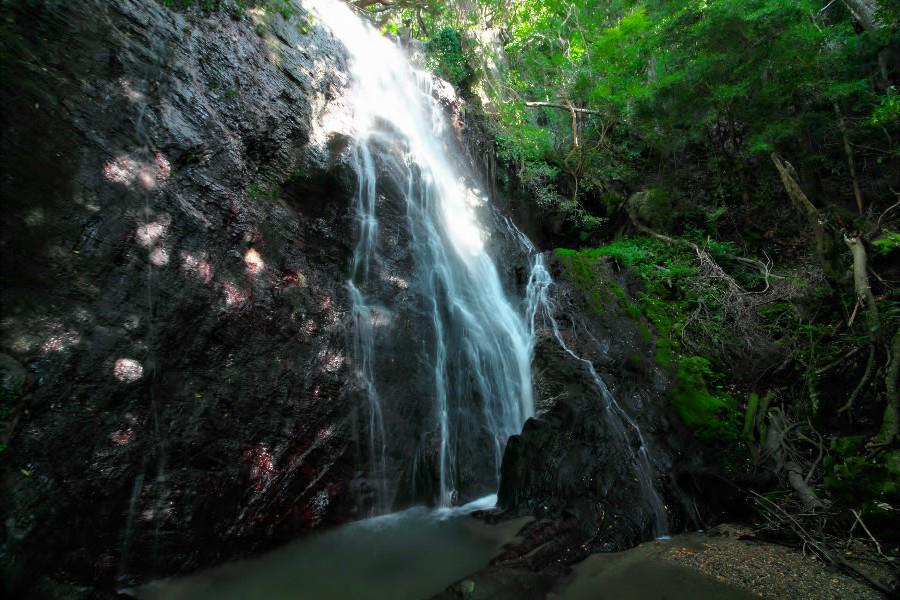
412,554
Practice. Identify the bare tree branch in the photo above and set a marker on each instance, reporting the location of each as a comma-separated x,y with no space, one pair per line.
560,106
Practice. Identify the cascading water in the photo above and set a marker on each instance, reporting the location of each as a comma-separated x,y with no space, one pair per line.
538,306
481,345
478,356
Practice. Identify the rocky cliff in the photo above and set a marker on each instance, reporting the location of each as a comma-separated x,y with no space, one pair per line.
175,335
175,241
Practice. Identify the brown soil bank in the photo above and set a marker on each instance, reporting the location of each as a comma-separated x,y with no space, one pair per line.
714,566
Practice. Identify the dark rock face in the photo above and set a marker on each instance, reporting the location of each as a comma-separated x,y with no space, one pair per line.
570,462
174,250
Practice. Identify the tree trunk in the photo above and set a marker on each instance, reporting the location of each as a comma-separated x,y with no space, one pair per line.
562,106
861,284
824,241
864,12
848,152
891,421
774,448
866,300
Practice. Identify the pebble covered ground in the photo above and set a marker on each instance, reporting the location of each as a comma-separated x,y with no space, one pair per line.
766,570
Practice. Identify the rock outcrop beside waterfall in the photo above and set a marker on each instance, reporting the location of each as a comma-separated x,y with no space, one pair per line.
579,458
174,250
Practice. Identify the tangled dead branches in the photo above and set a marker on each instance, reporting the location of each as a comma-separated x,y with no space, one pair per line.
817,532
716,289
794,451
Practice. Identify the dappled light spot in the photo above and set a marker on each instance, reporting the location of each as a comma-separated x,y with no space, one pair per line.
331,360
399,282
262,466
128,370
147,235
61,341
325,433
159,257
234,296
122,170
163,167
309,327
198,266
128,91
296,277
125,170
122,437
253,261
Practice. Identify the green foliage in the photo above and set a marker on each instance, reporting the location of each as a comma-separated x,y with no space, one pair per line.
887,242
445,56
725,81
887,112
285,8
672,293
582,270
860,477
710,413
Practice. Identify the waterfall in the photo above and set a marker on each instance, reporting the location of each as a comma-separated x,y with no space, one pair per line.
479,348
481,343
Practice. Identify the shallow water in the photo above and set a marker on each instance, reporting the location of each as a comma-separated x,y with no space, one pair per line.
411,554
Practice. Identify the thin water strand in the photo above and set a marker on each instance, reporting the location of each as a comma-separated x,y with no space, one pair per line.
538,305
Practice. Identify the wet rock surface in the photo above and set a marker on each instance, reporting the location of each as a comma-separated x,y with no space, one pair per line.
569,467
174,242
571,460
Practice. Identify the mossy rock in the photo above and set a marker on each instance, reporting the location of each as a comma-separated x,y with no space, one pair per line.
711,415
653,207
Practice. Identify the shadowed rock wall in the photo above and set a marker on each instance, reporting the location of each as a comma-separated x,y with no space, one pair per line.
174,250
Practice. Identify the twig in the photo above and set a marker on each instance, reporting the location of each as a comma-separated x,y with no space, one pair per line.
560,106
869,533
840,361
818,546
887,210
821,447
862,383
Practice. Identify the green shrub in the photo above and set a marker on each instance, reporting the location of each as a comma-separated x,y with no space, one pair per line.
444,56
887,242
710,414
858,477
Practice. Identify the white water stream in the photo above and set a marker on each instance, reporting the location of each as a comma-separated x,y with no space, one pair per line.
479,353
482,342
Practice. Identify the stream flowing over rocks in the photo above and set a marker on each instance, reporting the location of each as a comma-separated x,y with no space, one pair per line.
180,342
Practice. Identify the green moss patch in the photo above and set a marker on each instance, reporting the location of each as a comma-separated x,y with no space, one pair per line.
707,410
862,477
